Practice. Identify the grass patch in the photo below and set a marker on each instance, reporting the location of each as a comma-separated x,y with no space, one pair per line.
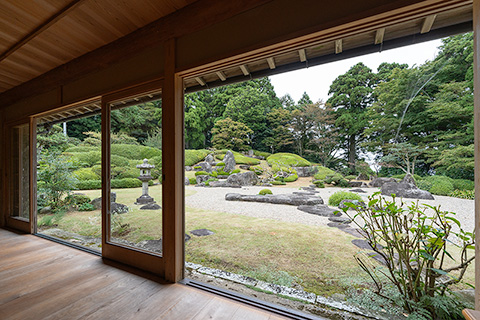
288,159
323,172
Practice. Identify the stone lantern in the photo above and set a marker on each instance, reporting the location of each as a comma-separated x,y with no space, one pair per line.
145,176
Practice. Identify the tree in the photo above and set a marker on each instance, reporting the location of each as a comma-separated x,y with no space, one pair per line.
351,96
281,139
401,156
304,101
229,134
458,162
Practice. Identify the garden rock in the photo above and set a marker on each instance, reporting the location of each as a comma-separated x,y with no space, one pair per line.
288,199
229,161
338,225
242,179
379,182
409,179
306,171
45,210
188,168
202,232
342,203
340,219
358,191
151,206
222,177
205,166
187,181
202,178
118,208
218,184
363,244
97,202
319,210
363,176
244,166
209,159
405,190
357,184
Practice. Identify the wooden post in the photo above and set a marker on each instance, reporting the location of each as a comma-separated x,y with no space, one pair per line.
476,64
173,232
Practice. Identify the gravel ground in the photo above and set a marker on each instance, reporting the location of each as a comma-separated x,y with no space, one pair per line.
214,199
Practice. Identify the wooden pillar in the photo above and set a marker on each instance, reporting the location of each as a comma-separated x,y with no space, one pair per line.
173,168
3,170
476,63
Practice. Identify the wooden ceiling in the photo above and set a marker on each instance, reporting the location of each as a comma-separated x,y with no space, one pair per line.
37,36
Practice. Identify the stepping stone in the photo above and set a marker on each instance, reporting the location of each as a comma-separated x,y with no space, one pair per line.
338,225
151,206
319,210
363,244
338,219
202,232
354,232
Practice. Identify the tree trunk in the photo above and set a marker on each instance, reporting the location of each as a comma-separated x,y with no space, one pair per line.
352,150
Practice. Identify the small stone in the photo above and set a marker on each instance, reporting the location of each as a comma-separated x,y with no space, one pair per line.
187,181
188,168
358,191
202,232
151,206
118,208
45,210
209,159
244,166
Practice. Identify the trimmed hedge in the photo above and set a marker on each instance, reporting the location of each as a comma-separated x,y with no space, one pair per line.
195,156
86,159
291,178
83,174
135,152
78,149
201,173
125,183
322,173
338,196
89,184
265,191
192,180
262,154
257,169
278,183
288,159
439,185
463,184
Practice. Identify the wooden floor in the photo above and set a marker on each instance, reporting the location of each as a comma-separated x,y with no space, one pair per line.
40,279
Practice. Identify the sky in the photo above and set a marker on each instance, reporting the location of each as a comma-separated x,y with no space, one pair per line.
317,80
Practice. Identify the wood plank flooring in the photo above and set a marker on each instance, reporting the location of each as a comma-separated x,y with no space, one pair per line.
40,279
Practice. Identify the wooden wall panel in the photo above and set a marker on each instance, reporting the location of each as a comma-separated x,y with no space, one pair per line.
32,105
145,66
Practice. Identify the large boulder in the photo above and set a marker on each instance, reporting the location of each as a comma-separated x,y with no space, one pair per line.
209,159
379,182
357,184
97,202
319,210
204,166
242,179
118,208
409,179
202,178
288,199
306,171
405,190
187,181
229,161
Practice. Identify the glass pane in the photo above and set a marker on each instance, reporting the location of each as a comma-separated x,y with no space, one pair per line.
69,176
136,166
20,172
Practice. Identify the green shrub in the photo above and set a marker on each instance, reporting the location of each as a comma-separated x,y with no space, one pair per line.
463,184
125,183
197,167
118,161
222,173
220,164
333,178
192,180
439,185
319,184
278,183
342,183
322,173
78,149
338,196
235,171
257,169
239,158
86,159
89,184
207,183
265,191
350,177
86,207
291,178
201,173
463,194
134,152
77,199
83,174
214,174
288,159
125,172
262,153
195,156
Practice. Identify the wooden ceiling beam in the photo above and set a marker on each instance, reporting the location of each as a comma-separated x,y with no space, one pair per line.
428,23
271,63
201,81
338,46
379,35
42,27
244,69
221,75
303,55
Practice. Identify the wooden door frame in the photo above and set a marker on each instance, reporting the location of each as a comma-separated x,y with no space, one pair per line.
129,255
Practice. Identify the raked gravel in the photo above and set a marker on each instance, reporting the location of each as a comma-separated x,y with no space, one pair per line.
213,199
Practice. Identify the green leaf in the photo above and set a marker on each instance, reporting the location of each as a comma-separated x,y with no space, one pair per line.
439,271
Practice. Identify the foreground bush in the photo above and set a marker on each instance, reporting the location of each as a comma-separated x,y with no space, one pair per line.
415,251
463,194
338,196
288,159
